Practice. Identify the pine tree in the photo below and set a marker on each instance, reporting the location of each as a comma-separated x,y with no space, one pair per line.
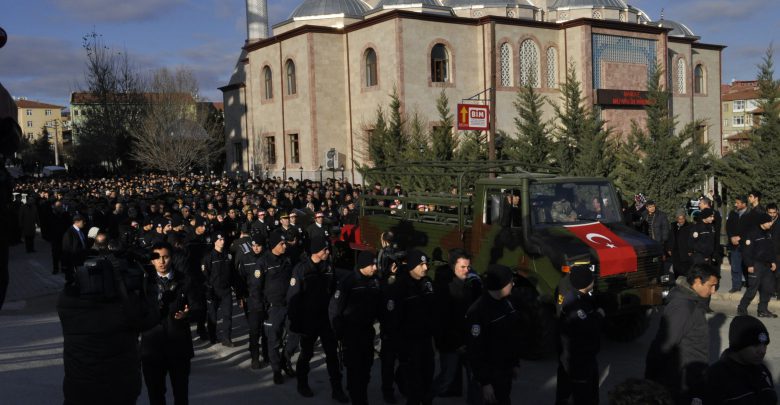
395,137
573,121
443,138
753,167
532,144
376,140
418,148
473,147
656,161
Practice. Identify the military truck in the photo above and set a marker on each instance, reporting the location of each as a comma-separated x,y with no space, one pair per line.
539,223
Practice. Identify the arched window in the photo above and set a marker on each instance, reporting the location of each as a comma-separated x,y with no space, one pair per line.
552,68
268,80
505,53
698,80
440,64
291,86
371,68
529,63
681,76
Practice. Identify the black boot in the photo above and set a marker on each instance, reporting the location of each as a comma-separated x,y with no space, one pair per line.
278,378
339,395
304,389
288,369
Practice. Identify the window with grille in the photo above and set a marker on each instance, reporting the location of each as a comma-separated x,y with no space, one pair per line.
552,68
612,48
292,88
269,85
738,121
739,105
681,76
29,112
295,152
47,112
529,63
371,68
29,124
506,64
270,150
439,64
698,80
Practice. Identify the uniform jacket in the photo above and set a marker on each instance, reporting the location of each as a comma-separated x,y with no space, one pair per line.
491,336
579,326
701,239
28,219
219,272
732,383
251,277
73,249
311,287
680,351
757,246
276,280
453,299
415,308
678,242
356,305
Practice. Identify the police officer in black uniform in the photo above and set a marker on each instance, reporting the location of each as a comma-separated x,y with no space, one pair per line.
252,300
494,329
354,308
198,246
702,238
387,265
276,270
759,258
318,229
312,284
417,326
579,327
220,280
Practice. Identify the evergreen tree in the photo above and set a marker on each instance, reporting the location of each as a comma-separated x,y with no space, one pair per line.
532,145
473,146
376,140
395,136
656,161
443,138
753,167
418,148
572,122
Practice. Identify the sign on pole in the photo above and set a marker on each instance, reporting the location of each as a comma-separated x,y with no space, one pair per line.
473,117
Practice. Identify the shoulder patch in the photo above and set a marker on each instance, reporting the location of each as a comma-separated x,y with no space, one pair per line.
390,305
695,235
475,330
230,257
747,242
258,273
581,314
391,280
560,299
337,294
202,267
428,286
292,282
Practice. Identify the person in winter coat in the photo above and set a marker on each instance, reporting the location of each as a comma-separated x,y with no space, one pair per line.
28,221
679,354
740,377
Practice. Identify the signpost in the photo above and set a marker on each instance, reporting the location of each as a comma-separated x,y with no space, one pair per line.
473,117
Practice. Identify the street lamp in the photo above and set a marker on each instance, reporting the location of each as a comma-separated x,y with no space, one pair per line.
284,173
301,172
320,168
342,172
55,124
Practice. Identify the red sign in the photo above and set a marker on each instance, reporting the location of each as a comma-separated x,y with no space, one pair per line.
630,98
616,256
472,117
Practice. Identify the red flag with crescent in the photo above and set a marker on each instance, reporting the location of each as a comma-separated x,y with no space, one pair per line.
616,256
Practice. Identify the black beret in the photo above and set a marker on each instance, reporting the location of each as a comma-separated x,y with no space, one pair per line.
746,331
365,259
497,277
580,276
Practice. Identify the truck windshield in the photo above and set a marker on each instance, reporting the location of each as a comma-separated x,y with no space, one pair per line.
570,202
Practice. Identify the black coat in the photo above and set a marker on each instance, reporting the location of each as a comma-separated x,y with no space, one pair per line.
680,351
219,272
732,383
415,308
579,326
678,242
491,336
277,271
171,337
311,287
74,250
355,306
453,299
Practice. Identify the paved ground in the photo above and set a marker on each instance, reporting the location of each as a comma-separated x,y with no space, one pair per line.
31,351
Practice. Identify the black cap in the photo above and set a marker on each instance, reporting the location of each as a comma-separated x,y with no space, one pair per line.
746,331
497,277
276,238
415,258
365,259
78,217
200,221
245,227
580,276
764,218
258,239
318,244
217,235
706,213
650,202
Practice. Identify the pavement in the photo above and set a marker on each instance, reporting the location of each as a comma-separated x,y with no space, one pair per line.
31,369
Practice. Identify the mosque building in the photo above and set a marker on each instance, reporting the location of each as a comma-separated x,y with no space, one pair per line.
310,90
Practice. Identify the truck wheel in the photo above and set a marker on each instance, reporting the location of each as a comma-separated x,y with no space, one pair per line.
627,327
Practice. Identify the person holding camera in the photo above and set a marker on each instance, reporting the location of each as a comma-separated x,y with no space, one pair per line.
101,318
166,348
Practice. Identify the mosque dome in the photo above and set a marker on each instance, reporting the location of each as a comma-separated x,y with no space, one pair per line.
614,4
488,3
678,29
322,8
391,3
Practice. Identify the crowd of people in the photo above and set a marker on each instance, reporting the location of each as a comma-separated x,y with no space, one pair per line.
208,245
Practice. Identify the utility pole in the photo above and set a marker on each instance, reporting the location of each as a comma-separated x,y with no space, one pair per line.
55,124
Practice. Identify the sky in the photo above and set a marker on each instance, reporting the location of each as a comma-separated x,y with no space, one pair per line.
44,59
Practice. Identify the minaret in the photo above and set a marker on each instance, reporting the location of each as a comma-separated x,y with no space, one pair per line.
256,20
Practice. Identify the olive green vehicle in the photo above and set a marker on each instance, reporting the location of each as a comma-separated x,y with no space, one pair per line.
529,222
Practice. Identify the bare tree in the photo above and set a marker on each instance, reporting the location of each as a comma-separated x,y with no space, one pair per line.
173,136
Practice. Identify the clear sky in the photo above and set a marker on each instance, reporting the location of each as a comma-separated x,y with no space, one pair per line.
44,60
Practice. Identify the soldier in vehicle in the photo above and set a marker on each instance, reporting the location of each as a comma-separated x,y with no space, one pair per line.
562,210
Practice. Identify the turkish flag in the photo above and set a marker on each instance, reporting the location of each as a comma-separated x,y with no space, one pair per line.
616,256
